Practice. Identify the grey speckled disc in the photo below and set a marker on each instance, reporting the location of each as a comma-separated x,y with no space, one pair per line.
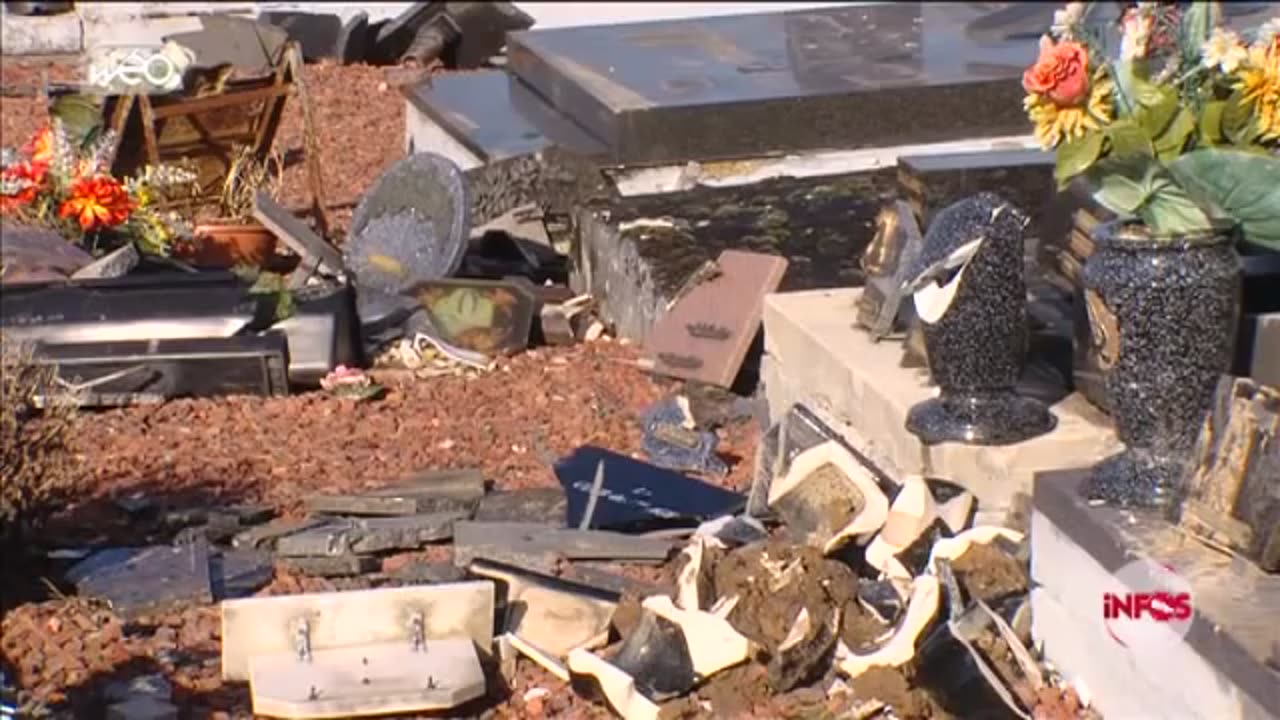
412,226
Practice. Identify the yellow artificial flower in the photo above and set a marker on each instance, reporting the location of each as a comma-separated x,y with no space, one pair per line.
1055,124
1259,83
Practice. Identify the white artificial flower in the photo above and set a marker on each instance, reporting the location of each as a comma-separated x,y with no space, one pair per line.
1223,50
1268,31
1066,20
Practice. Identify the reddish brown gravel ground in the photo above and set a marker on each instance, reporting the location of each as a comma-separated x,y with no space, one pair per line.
541,403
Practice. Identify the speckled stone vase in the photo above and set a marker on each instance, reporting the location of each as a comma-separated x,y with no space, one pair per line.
971,297
1163,315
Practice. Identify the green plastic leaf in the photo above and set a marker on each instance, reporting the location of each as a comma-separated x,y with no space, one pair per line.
1169,209
1076,156
1210,126
1159,107
1245,186
1169,145
1126,94
1236,120
1127,138
1122,184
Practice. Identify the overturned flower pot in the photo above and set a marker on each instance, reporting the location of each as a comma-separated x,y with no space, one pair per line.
829,498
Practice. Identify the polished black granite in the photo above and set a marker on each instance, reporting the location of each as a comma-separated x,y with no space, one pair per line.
495,116
723,87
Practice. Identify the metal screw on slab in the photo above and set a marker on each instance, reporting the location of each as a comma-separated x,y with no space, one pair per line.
431,683
314,694
302,641
418,632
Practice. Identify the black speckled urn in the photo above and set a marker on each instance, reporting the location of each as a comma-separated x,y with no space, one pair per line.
1163,315
976,334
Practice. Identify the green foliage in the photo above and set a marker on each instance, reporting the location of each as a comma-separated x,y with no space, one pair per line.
37,466
1240,185
1076,156
1142,188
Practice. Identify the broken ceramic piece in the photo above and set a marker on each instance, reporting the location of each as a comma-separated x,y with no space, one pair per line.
670,442
969,290
657,657
911,516
539,656
552,614
636,494
713,643
900,648
733,530
954,661
617,687
796,431
804,655
829,498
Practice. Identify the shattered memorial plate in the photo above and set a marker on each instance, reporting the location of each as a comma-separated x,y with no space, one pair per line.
671,444
483,316
636,494
411,227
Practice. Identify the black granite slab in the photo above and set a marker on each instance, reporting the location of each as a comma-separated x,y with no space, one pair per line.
1234,628
1023,177
636,252
495,116
747,85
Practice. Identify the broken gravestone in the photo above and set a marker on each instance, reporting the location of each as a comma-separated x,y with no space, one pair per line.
139,581
411,227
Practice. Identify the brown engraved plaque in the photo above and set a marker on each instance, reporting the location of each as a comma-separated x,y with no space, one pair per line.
714,321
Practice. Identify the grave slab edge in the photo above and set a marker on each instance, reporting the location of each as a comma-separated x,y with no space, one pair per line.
1057,497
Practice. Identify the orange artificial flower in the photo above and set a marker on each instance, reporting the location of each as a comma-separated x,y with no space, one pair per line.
97,202
41,146
33,174
1060,74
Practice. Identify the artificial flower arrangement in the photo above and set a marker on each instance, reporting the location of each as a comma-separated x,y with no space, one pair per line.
1178,131
69,187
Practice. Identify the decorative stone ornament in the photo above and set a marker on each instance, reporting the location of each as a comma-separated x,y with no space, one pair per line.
970,295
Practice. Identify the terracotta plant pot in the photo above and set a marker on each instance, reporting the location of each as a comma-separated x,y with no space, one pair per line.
1163,314
226,245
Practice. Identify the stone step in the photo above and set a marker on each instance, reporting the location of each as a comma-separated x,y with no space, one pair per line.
815,355
1225,667
749,85
477,118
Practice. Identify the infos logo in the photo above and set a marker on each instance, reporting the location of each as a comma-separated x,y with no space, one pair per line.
1153,611
137,70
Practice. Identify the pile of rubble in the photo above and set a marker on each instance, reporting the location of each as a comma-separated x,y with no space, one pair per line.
827,588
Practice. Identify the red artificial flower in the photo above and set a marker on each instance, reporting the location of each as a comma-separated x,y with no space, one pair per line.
97,202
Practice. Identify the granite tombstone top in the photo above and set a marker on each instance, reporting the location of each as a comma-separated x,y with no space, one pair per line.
859,76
